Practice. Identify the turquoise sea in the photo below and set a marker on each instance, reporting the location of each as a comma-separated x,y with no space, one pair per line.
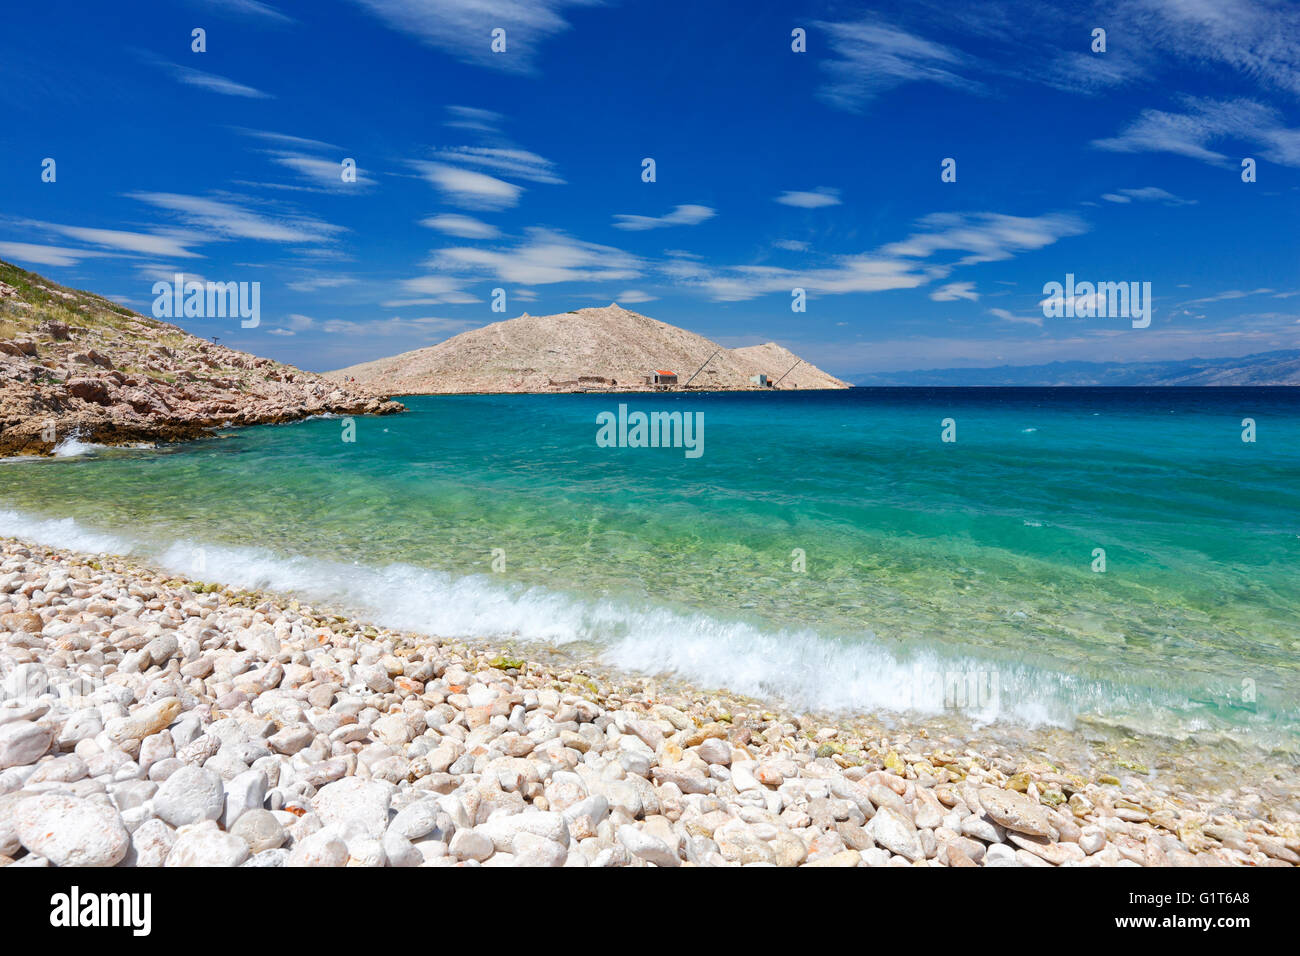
827,549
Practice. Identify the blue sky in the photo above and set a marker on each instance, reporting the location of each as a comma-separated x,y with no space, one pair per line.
522,170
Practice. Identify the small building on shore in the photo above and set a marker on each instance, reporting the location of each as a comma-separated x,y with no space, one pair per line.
661,376
760,380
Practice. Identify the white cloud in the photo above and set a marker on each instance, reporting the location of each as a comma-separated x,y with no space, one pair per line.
323,173
791,245
227,219
286,140
468,188
473,118
985,236
1095,303
823,196
254,8
214,83
45,255
515,163
633,296
863,273
427,325
1007,316
954,291
688,215
1207,122
151,244
545,256
432,290
1147,194
463,28
153,271
1076,71
465,227
1259,40
316,283
871,58
1232,294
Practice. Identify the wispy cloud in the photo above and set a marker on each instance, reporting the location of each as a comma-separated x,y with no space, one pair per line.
872,57
285,139
325,174
463,227
150,244
1259,40
226,218
1231,294
633,297
986,236
1206,122
688,215
45,255
214,83
465,187
543,257
250,8
432,290
1008,316
954,291
318,164
317,282
515,163
427,325
1147,194
1073,71
822,196
865,273
983,237
463,28
473,118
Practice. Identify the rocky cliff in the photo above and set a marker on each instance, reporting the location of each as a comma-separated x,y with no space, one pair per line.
76,365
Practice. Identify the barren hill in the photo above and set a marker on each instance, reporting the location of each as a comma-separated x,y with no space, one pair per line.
76,365
601,349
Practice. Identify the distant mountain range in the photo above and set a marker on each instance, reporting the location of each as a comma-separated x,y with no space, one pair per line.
1264,368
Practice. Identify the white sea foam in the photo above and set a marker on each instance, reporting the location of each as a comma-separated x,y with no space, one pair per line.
72,446
800,667
61,533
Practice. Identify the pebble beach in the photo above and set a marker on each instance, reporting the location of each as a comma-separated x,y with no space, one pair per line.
147,720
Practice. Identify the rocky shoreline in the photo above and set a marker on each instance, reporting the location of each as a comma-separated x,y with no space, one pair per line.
147,720
74,365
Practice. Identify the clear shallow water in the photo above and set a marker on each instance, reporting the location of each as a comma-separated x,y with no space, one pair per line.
928,564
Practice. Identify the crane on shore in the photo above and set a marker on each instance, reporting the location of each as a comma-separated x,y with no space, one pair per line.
701,368
787,372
